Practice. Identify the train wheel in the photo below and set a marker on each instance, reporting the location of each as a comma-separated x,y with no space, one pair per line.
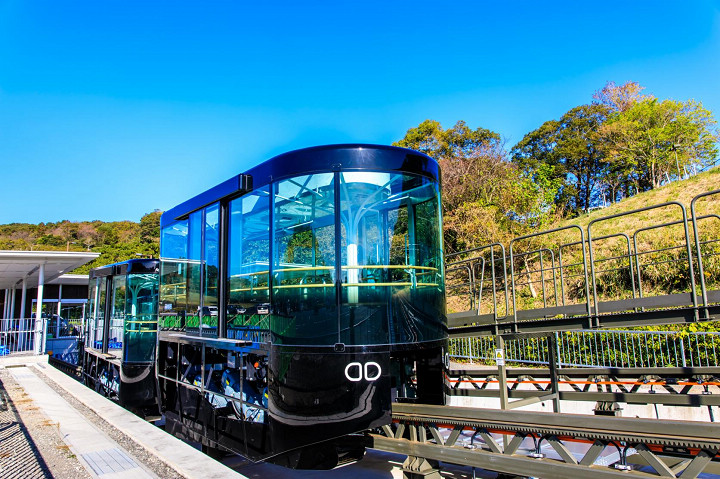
99,388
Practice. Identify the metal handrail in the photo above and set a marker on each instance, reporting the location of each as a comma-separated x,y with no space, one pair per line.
473,264
693,212
632,212
627,259
542,233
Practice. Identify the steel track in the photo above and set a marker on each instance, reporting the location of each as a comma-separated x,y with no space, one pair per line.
420,431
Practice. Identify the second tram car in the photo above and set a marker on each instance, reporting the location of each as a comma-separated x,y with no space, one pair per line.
298,300
118,357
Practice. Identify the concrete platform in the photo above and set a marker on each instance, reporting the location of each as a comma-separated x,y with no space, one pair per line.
68,403
100,455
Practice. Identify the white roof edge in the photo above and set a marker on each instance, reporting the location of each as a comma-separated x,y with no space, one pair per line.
49,254
71,279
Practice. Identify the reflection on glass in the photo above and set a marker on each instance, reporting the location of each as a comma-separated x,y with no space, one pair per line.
100,312
173,275
249,265
189,272
211,261
89,333
140,317
304,303
391,259
117,315
194,287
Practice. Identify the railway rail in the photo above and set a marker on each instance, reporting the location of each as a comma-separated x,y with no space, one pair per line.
547,444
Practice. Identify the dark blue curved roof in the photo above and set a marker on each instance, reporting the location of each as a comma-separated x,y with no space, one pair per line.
137,265
343,157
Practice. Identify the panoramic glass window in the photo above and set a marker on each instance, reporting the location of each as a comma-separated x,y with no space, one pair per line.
91,311
303,271
173,275
211,261
194,286
140,317
249,263
391,249
100,312
117,316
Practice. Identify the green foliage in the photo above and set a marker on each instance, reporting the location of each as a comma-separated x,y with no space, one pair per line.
653,139
430,138
622,144
116,241
567,152
485,197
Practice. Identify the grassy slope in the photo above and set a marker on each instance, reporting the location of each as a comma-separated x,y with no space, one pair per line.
665,277
681,191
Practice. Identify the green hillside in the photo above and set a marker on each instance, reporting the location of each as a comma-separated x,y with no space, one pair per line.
115,241
661,251
681,191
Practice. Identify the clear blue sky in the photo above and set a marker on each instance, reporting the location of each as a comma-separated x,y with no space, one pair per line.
111,109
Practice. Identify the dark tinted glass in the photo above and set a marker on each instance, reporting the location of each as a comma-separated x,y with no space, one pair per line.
304,305
391,242
249,265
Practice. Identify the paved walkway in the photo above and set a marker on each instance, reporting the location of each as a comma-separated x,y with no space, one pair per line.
100,455
19,456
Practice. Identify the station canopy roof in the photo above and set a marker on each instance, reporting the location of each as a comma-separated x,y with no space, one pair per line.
16,265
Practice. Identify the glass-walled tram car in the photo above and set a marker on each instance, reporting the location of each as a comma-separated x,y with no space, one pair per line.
121,333
299,300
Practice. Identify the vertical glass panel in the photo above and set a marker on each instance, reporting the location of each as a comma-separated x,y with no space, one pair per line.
194,287
173,275
100,313
141,317
211,263
391,259
304,305
117,315
90,312
249,266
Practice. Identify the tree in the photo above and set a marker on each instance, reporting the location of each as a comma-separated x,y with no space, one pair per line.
567,151
430,138
654,140
619,98
150,227
485,197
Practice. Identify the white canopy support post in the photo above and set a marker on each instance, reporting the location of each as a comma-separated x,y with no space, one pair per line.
23,297
40,325
59,308
12,303
23,322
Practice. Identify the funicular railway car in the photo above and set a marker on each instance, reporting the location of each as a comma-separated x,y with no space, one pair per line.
299,300
118,357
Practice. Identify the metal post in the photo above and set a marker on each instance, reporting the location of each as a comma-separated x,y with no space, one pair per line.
696,234
40,326
682,351
552,360
502,376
